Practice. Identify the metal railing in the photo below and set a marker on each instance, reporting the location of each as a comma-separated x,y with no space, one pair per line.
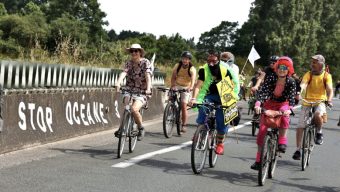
24,75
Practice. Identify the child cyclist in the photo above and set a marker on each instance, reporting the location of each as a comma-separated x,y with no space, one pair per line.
277,98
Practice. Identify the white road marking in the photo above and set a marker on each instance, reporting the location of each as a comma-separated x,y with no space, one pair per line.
137,159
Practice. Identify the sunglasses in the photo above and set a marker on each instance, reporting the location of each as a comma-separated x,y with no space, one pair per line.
134,50
282,67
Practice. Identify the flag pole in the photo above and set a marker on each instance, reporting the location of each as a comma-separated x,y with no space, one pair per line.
244,66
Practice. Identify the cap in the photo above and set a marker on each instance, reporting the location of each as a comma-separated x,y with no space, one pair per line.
320,58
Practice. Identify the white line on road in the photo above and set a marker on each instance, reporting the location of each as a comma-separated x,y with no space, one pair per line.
137,159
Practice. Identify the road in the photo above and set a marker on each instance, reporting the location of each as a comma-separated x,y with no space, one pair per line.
89,163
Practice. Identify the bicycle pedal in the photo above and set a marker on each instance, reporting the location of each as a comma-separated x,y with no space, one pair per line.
134,133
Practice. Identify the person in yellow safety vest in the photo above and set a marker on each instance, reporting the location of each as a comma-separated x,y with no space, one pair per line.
205,89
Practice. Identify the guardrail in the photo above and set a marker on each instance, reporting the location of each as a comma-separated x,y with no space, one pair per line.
24,75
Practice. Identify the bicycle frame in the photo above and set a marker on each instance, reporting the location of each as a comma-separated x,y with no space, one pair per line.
172,112
205,139
309,133
127,124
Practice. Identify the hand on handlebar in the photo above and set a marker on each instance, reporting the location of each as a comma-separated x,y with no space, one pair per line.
329,104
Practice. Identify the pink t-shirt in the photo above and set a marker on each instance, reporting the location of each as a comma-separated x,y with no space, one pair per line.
279,89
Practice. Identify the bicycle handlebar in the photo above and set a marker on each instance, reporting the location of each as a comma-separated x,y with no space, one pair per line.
168,89
141,92
212,105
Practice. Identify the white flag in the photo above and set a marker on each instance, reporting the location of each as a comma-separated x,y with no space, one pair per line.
152,62
253,56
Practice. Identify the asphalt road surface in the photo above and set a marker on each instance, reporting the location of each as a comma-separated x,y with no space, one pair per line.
89,163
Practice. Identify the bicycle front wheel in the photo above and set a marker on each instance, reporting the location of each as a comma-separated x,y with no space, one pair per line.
178,121
264,161
273,156
132,135
199,149
253,128
306,145
168,120
212,155
122,138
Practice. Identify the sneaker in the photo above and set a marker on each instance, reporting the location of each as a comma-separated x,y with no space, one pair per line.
339,123
319,139
255,166
219,149
282,148
297,155
141,133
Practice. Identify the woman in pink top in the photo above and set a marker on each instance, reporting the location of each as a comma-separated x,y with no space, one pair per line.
277,93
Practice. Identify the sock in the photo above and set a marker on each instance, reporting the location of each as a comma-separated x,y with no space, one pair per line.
298,149
258,157
283,140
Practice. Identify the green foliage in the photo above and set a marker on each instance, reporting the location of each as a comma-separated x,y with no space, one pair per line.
218,38
3,10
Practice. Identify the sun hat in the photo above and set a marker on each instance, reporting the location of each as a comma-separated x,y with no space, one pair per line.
136,46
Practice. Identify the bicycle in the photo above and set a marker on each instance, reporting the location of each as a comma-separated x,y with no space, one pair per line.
172,112
309,134
205,139
269,154
127,128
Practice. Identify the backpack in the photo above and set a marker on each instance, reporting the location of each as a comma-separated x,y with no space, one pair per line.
180,65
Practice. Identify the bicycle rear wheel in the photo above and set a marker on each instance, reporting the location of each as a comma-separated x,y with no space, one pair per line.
122,138
273,156
168,120
306,145
212,155
264,161
199,149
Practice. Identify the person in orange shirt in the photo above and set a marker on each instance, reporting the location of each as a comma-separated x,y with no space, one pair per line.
315,85
183,77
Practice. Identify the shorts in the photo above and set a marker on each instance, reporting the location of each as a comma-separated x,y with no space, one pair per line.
184,96
141,98
321,108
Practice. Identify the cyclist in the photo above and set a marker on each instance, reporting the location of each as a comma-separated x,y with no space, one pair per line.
183,77
269,71
205,89
277,94
137,71
315,85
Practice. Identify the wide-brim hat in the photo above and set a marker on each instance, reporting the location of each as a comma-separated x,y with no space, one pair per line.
136,46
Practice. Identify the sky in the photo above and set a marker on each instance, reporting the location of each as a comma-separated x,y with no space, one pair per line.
189,18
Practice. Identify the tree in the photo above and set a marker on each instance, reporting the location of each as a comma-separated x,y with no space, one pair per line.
219,38
83,10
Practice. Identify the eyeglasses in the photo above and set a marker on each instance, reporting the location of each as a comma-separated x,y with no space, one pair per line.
134,50
282,67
